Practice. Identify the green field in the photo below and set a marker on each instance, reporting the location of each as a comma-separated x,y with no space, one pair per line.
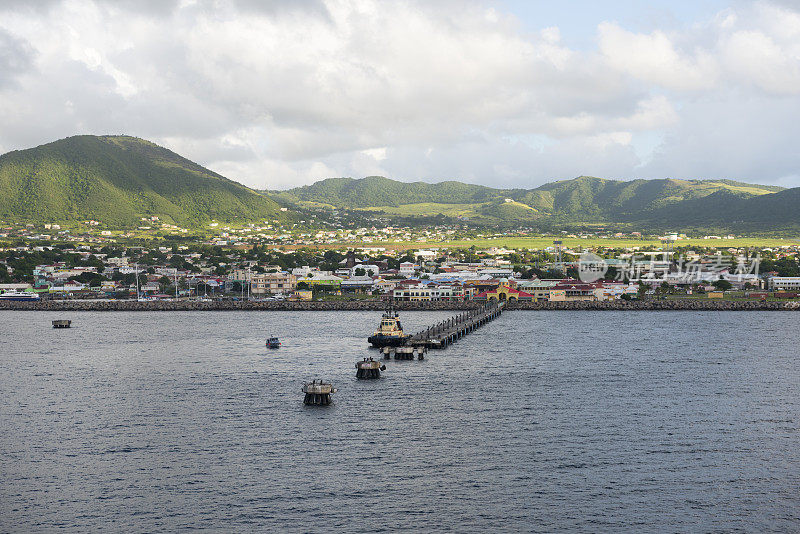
428,209
543,242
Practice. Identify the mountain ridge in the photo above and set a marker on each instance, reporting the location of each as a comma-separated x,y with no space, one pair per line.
665,202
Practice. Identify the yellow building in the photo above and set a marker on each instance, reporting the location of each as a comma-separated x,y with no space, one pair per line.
302,294
504,292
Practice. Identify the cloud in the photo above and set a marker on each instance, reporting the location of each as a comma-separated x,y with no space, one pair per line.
281,93
655,59
16,57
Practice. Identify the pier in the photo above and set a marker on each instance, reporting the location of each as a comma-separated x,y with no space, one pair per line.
62,323
442,334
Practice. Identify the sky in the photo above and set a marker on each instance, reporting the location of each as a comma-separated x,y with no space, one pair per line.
505,93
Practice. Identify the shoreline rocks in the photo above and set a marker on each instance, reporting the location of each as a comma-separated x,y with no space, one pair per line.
377,305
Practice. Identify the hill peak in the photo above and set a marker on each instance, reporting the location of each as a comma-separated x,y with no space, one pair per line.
118,179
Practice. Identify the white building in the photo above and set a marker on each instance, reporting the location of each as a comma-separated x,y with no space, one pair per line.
300,272
369,270
784,283
407,268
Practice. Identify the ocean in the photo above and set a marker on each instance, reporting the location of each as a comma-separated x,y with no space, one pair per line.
536,422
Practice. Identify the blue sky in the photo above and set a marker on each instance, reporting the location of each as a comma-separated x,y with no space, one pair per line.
578,20
500,92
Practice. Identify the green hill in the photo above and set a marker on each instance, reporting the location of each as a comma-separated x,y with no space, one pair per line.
666,203
117,180
376,191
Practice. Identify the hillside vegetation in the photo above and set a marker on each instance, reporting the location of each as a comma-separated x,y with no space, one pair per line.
668,203
117,180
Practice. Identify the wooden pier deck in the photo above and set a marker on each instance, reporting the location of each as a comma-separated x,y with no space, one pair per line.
442,334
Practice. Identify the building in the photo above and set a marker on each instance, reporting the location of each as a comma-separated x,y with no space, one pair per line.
327,281
417,293
358,284
302,294
407,268
369,270
455,292
504,291
577,290
272,283
784,283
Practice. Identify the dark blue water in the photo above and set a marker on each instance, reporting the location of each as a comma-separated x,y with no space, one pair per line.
539,421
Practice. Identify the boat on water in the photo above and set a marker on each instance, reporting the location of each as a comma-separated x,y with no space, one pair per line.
273,343
20,296
389,333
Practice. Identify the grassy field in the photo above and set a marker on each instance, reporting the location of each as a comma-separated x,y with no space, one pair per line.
429,209
543,242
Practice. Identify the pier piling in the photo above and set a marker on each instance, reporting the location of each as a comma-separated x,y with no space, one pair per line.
369,368
318,393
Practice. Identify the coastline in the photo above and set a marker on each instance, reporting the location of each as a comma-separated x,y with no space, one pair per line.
377,305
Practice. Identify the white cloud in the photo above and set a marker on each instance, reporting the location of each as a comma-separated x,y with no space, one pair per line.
277,94
654,58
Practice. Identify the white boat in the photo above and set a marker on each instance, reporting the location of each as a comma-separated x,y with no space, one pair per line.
19,296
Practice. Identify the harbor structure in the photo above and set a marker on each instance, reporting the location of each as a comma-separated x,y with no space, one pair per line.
405,352
62,323
369,368
318,393
446,332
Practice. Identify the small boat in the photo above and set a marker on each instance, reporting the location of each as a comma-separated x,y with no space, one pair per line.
389,333
273,343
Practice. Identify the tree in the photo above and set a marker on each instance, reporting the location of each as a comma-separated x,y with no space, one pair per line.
722,285
360,272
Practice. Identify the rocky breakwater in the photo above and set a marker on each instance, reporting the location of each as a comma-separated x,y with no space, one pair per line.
228,305
659,305
378,305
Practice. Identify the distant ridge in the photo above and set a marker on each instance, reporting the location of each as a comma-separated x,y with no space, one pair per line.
117,180
667,203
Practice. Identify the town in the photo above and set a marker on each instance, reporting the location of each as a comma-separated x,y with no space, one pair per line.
40,267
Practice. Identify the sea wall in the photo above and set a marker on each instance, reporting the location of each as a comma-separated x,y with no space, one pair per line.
376,305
